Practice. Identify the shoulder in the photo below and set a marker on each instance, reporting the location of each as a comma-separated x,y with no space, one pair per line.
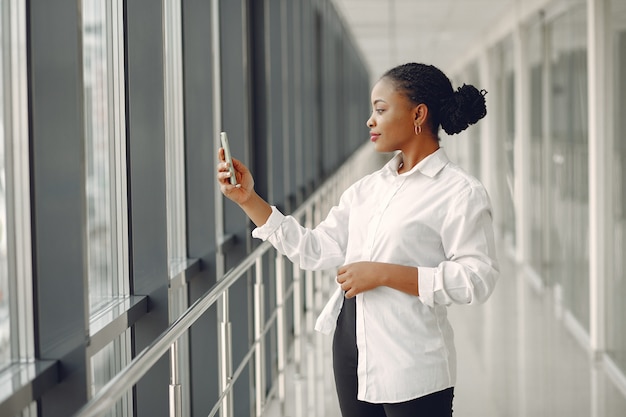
462,184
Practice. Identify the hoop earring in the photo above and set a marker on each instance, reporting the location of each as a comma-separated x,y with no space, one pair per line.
418,129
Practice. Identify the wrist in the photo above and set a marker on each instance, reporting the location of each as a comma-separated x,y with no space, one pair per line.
244,203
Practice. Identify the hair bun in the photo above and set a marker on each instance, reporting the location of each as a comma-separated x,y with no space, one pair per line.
464,107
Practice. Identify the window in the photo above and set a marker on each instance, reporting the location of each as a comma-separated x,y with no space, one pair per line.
538,145
105,152
16,304
105,179
505,84
569,199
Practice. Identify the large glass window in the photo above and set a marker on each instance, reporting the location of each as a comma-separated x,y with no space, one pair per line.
537,176
16,307
616,284
105,152
569,142
105,156
505,83
474,132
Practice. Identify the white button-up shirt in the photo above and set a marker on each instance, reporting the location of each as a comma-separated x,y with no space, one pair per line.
435,217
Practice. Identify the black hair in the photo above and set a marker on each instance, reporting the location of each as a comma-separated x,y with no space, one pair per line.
453,110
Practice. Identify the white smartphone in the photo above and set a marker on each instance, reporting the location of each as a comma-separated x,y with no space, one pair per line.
229,159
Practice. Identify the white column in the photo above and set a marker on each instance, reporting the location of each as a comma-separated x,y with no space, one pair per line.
599,167
522,146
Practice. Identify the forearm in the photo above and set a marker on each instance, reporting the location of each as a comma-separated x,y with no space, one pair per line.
399,277
359,277
257,209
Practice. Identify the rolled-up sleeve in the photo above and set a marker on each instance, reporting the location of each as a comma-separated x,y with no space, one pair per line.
313,249
470,270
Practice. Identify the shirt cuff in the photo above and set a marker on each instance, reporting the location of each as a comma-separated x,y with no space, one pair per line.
327,320
426,285
271,225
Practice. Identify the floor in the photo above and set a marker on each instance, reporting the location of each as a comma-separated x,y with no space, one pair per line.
516,357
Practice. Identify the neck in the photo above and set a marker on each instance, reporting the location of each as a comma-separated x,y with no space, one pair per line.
412,156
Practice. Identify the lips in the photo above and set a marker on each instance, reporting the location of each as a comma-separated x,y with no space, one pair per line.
374,136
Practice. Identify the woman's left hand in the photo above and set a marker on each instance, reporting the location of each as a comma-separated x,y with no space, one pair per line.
358,277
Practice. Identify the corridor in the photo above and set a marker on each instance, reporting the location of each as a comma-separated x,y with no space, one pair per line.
516,358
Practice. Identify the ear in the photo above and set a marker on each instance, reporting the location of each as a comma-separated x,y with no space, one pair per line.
420,113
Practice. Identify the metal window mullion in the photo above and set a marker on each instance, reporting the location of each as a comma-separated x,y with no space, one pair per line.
169,159
119,115
114,196
23,344
224,325
105,280
176,109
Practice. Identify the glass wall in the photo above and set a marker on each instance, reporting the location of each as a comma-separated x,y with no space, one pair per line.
105,151
105,178
505,121
569,141
535,53
474,133
16,301
616,285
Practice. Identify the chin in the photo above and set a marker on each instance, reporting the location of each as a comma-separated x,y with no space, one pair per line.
381,148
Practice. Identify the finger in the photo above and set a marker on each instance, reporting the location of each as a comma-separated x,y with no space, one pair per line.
223,176
220,154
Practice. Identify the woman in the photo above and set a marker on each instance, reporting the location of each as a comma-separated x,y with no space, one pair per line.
407,241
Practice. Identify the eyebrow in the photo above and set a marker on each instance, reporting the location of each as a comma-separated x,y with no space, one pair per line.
379,101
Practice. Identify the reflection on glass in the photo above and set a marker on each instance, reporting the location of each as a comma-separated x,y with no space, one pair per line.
506,131
104,365
537,186
105,180
5,351
474,134
570,156
101,141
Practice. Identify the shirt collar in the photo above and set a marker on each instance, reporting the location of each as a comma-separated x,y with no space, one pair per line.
429,166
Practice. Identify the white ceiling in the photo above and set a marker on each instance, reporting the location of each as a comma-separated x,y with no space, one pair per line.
438,32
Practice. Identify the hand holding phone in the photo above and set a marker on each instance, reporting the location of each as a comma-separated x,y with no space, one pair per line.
228,157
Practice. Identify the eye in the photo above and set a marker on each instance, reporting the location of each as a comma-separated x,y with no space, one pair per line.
379,111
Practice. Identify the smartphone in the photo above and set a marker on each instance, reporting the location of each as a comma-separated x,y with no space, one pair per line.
229,159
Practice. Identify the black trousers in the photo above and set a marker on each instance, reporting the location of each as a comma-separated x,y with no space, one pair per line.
438,404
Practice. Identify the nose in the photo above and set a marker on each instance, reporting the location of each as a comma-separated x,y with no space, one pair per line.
370,122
